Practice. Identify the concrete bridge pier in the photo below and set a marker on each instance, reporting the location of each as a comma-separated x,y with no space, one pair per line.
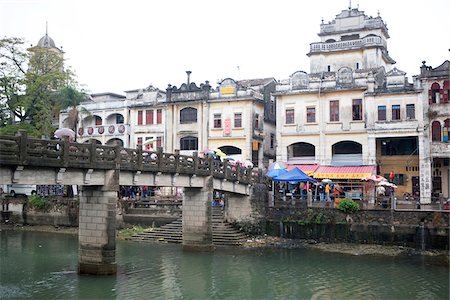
197,230
97,230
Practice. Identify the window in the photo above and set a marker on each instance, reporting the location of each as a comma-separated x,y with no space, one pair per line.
217,120
434,97
357,110
188,115
329,68
272,140
98,121
256,121
238,120
382,113
119,119
158,116
149,145
410,112
399,146
189,143
436,131
149,116
357,66
399,179
310,114
334,111
290,116
139,141
139,117
395,112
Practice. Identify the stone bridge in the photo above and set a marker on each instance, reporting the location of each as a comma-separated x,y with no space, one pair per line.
100,169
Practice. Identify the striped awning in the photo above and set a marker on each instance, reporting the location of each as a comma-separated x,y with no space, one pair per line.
307,169
344,172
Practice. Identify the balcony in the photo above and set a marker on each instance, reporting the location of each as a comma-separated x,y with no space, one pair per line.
369,41
104,130
440,149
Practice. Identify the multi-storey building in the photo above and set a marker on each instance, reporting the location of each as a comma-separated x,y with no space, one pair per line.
436,92
354,114
231,118
104,118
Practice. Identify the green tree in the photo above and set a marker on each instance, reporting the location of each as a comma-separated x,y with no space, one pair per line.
70,98
32,84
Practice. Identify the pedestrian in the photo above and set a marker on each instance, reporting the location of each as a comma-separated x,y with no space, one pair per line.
327,192
321,192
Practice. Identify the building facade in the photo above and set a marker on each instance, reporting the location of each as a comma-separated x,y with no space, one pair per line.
435,83
354,114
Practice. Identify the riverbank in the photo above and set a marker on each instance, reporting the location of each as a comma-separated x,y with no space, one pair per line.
345,248
267,242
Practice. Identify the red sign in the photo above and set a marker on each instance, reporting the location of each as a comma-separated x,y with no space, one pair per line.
227,127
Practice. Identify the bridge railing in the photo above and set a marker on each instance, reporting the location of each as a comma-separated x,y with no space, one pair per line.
22,150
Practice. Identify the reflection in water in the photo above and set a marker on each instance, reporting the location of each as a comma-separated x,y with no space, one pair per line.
39,265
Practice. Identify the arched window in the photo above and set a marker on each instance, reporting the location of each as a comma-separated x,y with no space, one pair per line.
436,131
189,143
434,93
188,115
346,153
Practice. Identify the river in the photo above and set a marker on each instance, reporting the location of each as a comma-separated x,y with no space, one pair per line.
43,266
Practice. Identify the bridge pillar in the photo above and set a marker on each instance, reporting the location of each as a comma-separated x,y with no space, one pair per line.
197,231
97,230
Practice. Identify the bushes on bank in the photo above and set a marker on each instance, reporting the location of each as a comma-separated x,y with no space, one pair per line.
348,206
39,203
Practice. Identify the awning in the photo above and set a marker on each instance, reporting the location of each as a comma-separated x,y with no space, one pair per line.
344,172
307,169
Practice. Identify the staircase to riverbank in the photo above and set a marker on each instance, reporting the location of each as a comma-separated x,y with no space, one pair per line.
223,234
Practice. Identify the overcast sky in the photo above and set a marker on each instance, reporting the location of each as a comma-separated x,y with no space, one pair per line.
115,46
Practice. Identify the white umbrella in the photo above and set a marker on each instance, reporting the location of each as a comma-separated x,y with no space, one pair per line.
59,133
326,180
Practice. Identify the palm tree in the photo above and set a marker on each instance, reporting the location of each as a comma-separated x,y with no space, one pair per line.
69,97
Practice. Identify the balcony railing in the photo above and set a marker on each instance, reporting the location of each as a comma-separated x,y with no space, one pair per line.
346,45
107,130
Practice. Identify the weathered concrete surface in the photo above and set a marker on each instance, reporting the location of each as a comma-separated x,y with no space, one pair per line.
197,230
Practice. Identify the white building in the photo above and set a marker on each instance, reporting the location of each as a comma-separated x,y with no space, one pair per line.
354,114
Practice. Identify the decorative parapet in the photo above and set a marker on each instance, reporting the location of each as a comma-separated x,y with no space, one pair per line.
369,41
108,130
23,151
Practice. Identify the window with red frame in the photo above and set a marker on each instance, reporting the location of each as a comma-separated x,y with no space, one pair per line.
139,120
310,114
149,116
357,110
334,111
158,116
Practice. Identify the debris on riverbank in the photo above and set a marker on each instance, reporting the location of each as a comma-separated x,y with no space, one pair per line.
342,248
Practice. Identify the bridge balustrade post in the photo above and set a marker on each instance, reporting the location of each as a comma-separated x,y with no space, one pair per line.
92,152
140,158
65,151
23,142
177,160
195,164
210,163
160,157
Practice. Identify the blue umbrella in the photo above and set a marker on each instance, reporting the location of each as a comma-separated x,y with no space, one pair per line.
275,172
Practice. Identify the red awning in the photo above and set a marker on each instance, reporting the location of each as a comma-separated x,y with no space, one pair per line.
307,169
344,172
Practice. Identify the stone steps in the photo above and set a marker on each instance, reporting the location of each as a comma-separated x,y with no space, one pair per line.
223,234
